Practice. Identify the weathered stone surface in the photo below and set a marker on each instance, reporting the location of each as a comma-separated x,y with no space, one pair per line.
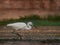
44,32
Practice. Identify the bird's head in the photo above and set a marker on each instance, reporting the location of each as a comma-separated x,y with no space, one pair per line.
30,23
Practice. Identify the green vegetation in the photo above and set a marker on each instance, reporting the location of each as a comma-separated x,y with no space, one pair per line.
37,20
53,18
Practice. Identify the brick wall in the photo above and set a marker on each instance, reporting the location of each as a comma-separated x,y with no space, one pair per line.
15,8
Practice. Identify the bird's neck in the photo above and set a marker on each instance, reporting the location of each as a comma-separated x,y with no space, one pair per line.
28,27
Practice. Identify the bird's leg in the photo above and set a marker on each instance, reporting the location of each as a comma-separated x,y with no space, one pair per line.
18,35
14,32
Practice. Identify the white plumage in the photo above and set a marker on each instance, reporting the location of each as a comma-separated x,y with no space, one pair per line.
20,25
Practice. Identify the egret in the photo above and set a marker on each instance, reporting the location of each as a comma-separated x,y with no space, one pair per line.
21,25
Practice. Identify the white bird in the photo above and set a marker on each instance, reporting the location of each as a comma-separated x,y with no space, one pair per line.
21,25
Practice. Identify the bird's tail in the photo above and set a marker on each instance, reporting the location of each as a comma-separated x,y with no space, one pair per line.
9,25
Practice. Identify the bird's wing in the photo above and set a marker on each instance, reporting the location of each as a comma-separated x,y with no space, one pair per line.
19,25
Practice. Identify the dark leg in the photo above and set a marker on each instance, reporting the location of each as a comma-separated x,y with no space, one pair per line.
19,36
